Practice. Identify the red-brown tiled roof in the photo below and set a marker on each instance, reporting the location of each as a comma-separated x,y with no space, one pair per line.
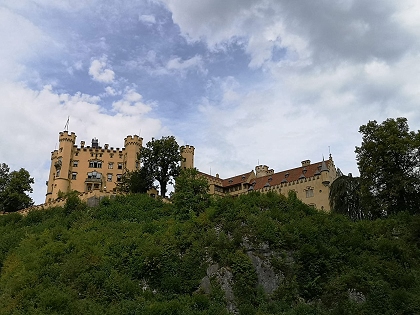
232,181
288,175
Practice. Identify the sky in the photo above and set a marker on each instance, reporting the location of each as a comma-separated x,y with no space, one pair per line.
271,82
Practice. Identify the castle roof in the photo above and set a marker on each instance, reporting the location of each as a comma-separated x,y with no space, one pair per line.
232,181
289,175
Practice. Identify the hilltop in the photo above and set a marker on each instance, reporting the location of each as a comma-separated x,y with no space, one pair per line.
255,254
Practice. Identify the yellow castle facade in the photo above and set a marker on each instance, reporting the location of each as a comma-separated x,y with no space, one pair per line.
94,168
310,181
88,168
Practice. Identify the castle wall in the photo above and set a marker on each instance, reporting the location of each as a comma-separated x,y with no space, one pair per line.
87,168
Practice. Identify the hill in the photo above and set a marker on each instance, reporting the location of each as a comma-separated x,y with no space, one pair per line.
256,254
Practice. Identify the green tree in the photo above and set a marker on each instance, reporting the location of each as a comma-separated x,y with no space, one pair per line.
389,161
138,181
161,159
191,192
13,189
345,197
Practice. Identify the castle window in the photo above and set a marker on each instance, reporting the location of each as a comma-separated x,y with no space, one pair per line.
120,166
111,155
73,175
109,178
75,163
95,164
94,175
76,154
309,193
110,165
119,177
58,173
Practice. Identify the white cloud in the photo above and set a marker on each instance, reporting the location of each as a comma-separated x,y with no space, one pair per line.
177,64
147,19
20,39
99,70
131,104
31,119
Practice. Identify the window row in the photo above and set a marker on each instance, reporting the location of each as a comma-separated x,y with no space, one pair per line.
96,175
98,164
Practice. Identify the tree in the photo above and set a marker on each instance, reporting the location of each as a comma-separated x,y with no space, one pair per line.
191,192
345,197
389,161
161,159
13,188
138,181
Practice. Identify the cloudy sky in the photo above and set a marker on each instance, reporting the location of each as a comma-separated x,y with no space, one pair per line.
244,81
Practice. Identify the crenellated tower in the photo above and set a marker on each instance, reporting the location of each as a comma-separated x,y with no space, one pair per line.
132,146
187,153
60,165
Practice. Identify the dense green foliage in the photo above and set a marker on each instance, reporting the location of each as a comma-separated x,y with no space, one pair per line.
14,187
389,165
345,197
191,195
138,181
132,255
160,160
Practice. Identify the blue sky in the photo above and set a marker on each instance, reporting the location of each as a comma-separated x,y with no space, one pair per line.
268,81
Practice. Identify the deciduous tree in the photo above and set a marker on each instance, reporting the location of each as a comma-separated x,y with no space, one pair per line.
191,192
138,181
161,159
14,187
345,197
389,161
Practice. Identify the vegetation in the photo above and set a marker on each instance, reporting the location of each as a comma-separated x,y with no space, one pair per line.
389,165
160,160
14,187
132,255
138,181
345,197
389,161
191,195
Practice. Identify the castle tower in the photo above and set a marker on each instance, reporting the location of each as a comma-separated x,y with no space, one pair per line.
60,166
261,170
187,153
325,176
132,146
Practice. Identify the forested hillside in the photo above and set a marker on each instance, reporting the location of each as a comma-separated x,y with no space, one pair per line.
257,254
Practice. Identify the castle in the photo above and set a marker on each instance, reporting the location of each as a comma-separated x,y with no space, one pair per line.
310,181
88,168
95,168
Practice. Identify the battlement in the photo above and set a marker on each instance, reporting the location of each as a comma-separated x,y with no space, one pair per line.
262,170
65,136
187,149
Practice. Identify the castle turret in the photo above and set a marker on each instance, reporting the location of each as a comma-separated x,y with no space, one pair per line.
187,153
132,146
325,176
262,170
60,166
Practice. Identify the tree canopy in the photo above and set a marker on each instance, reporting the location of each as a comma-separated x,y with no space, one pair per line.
345,197
138,181
14,187
191,193
389,161
161,159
